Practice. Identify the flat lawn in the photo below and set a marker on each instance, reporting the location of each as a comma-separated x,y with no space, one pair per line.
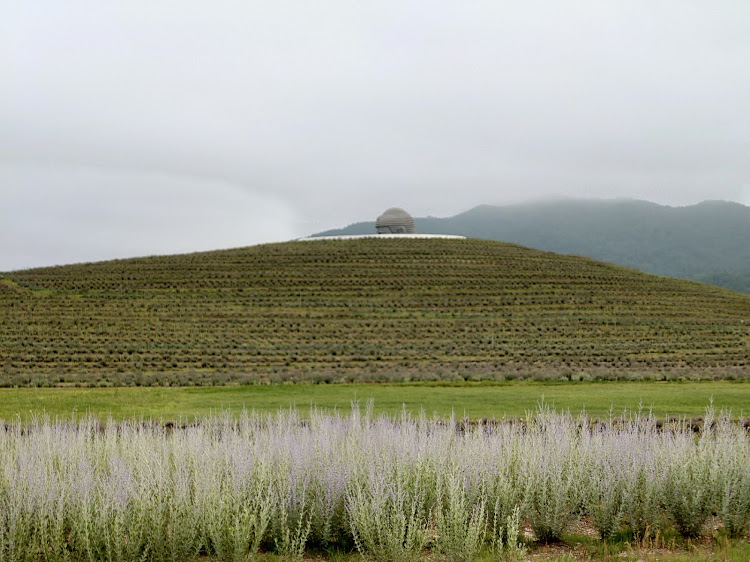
475,400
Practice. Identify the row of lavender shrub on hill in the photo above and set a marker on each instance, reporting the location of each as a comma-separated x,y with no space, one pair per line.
390,487
369,374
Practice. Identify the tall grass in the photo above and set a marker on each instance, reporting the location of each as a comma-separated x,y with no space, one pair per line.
390,487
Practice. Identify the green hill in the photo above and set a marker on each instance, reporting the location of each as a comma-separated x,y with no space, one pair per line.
369,309
707,242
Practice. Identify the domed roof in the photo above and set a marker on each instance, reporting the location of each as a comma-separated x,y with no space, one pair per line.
395,221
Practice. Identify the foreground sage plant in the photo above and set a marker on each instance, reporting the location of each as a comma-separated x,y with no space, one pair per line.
229,487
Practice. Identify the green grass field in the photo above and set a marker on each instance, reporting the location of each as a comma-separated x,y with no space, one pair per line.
480,400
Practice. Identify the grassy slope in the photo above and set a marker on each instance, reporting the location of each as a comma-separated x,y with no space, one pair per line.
359,310
479,400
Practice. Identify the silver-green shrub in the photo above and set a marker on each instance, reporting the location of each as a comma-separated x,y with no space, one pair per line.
460,516
552,471
690,484
230,487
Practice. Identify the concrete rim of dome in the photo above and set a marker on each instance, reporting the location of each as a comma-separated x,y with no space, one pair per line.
380,237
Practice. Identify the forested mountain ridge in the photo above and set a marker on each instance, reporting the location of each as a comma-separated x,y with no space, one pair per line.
707,242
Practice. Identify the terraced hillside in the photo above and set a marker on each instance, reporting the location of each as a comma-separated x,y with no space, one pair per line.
363,310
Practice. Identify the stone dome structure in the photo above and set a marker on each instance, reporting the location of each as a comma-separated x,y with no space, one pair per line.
395,221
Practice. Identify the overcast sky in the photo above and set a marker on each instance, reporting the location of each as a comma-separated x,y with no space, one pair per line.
138,127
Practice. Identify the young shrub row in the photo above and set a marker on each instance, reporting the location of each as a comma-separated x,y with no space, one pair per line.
390,487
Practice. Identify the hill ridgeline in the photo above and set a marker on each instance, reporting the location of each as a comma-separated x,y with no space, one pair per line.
707,242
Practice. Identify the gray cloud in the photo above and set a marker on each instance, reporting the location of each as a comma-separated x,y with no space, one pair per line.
331,111
85,214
